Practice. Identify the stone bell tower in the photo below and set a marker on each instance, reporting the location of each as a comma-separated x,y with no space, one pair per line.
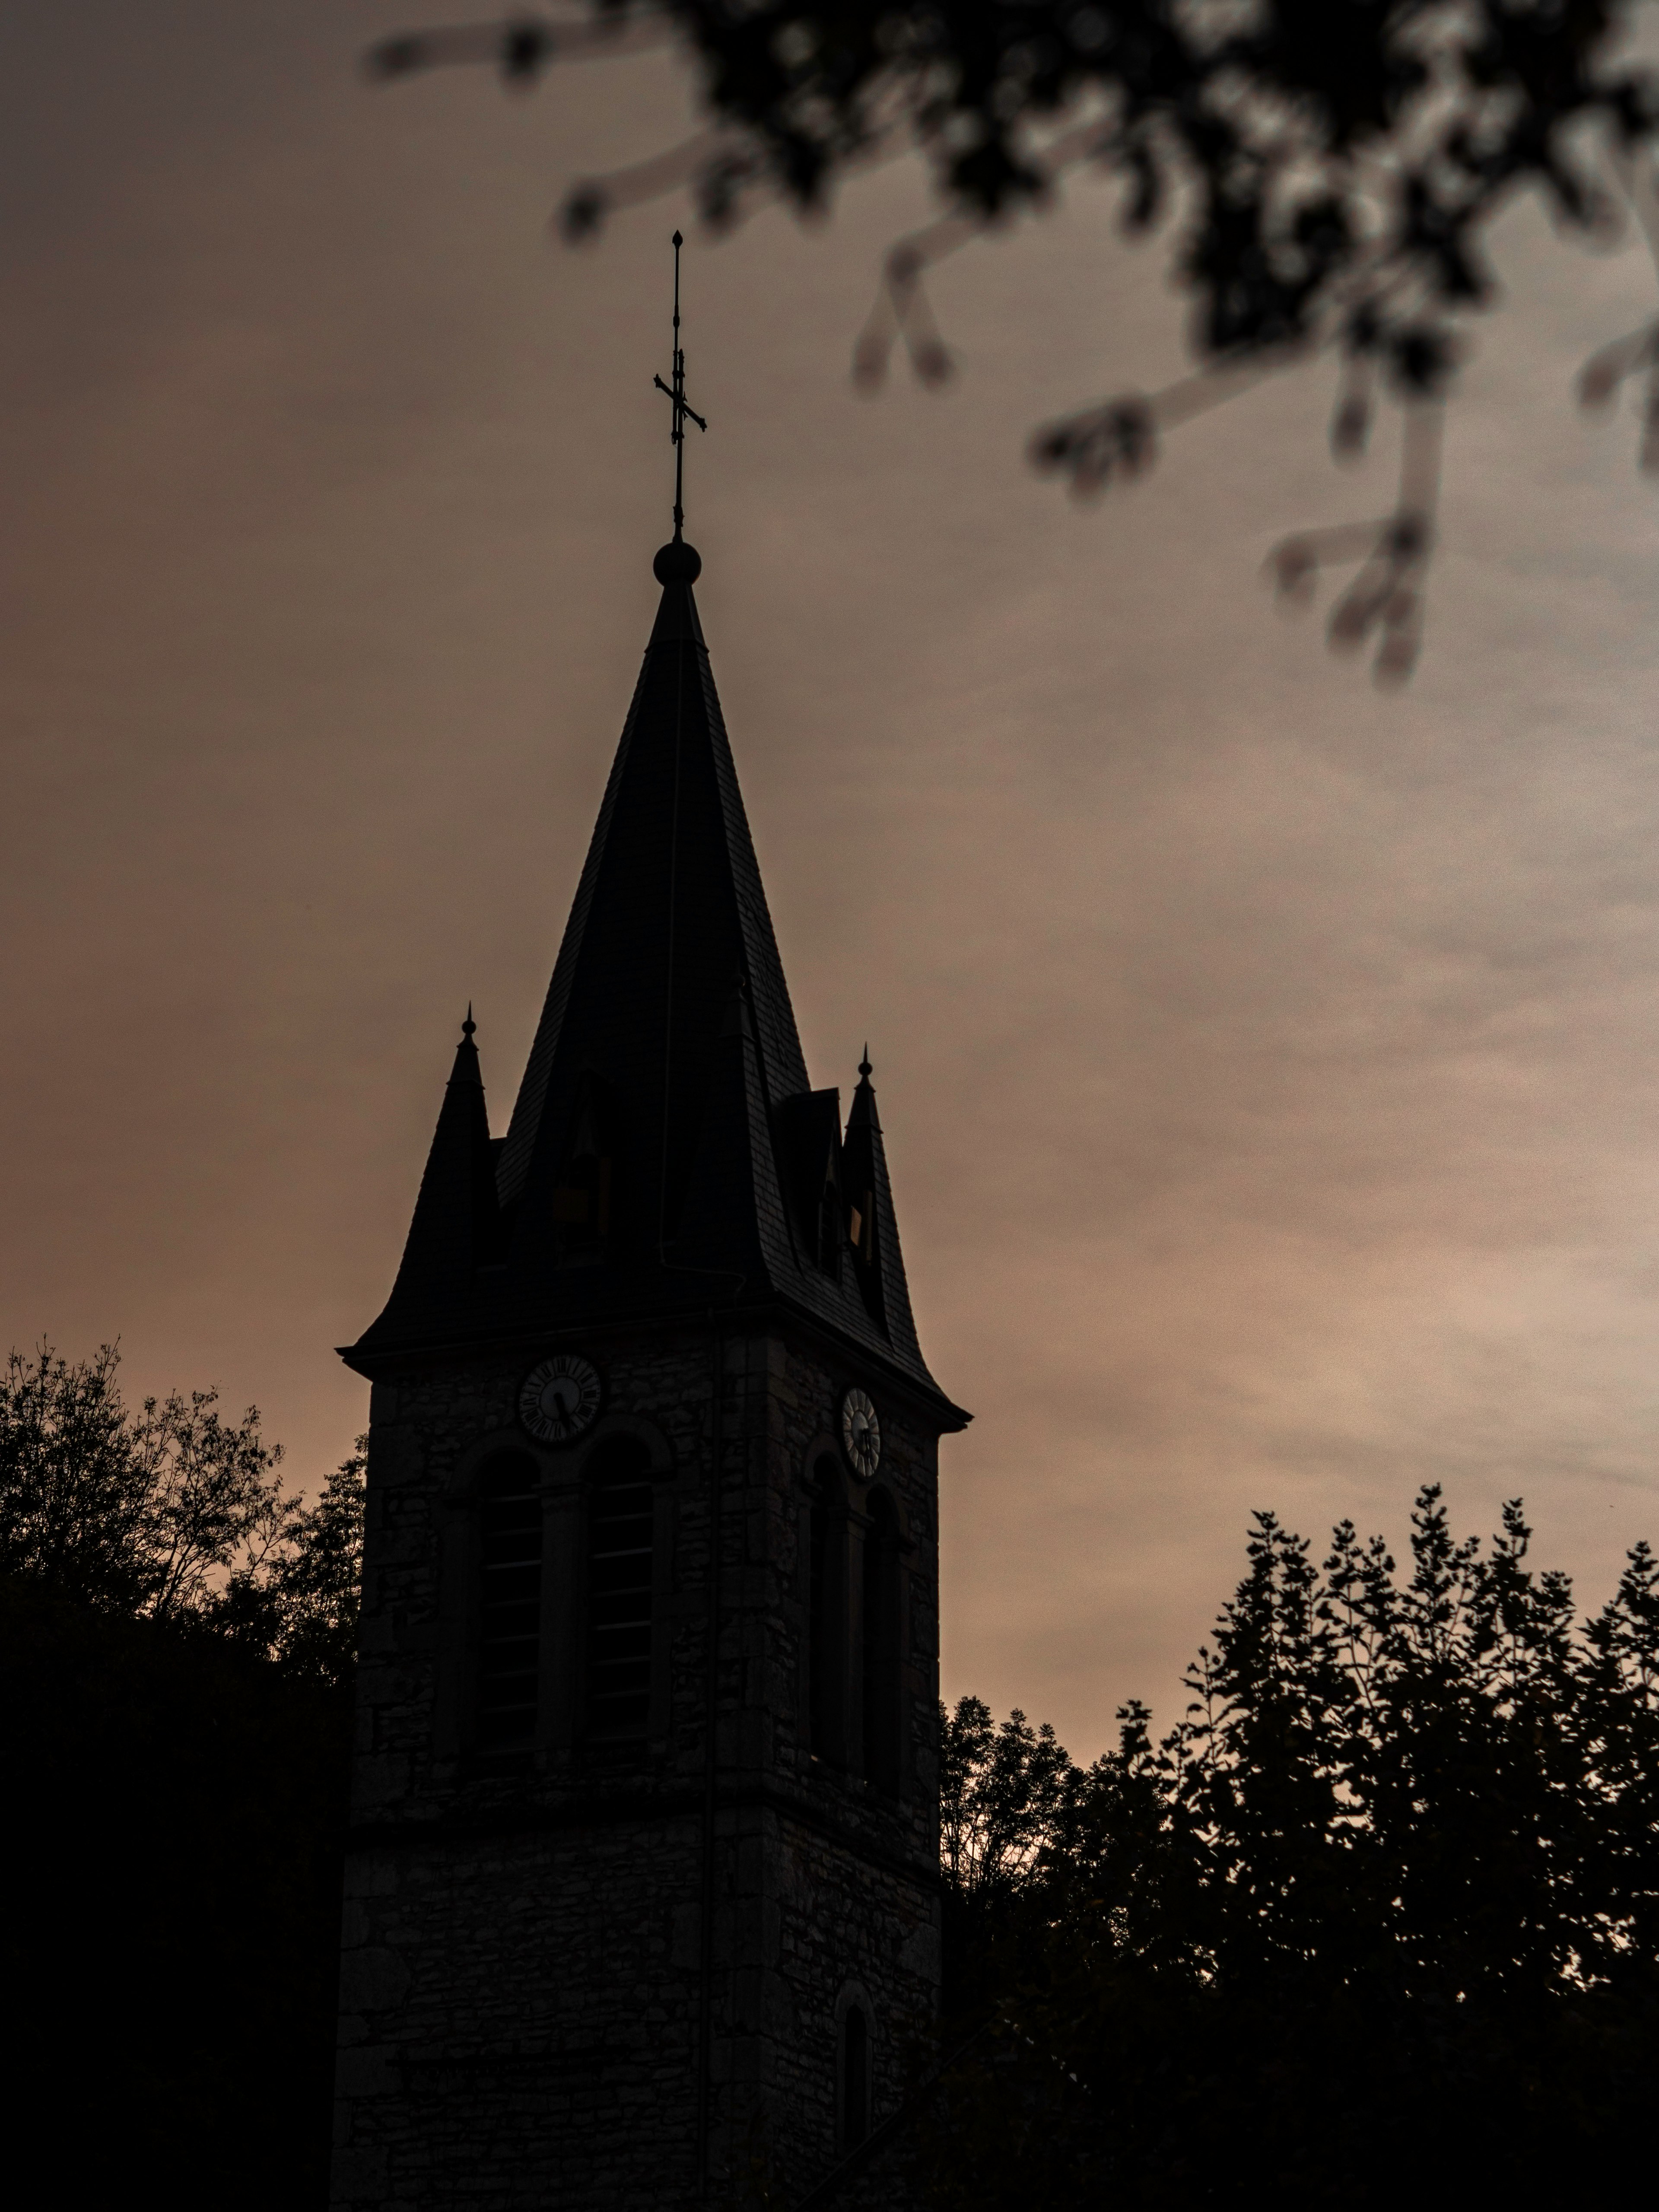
641,1896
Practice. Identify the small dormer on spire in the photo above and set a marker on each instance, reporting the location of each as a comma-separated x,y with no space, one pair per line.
717,1236
456,1225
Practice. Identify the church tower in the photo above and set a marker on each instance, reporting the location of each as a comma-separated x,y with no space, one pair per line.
641,1895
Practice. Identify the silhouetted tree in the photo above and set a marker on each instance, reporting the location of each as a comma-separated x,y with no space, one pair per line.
1329,170
132,1512
1378,1915
177,1645
170,1512
171,1859
299,1602
1002,1792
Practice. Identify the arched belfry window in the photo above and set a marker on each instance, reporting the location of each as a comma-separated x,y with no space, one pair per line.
509,1598
826,1642
880,1675
620,1581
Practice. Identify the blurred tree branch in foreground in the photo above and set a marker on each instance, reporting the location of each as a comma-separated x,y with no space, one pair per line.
1327,172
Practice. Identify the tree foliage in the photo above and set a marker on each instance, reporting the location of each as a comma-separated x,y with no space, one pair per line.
171,1852
169,1512
1326,173
1000,1789
1393,1882
1326,154
177,1647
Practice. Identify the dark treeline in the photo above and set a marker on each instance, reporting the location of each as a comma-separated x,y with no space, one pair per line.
1378,1919
1378,1923
177,1637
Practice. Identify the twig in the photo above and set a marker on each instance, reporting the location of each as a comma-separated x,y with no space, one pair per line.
901,309
521,47
1387,594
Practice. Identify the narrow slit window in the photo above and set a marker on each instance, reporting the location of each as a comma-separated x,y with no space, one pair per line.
825,1601
510,1601
854,2078
621,1564
880,1670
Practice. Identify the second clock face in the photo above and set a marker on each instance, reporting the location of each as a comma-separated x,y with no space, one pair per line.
860,1433
560,1398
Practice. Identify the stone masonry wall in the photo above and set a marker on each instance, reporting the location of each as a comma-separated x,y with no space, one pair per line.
521,1978
518,2022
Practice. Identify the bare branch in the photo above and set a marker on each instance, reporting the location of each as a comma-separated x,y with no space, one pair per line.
589,203
1386,596
902,309
520,48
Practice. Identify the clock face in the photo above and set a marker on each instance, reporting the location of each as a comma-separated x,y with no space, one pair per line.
560,1398
860,1433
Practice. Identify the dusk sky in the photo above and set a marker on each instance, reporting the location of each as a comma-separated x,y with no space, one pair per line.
1270,1067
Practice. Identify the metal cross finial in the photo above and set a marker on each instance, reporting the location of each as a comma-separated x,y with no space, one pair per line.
676,391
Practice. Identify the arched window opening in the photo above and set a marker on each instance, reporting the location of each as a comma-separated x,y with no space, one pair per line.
854,2078
880,1672
621,1532
510,1599
826,1616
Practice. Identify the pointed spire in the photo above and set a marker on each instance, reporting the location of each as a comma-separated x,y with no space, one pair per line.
455,1223
872,1224
669,909
665,1153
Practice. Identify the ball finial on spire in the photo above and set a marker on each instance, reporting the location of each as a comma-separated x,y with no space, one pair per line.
469,1025
678,562
865,1069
